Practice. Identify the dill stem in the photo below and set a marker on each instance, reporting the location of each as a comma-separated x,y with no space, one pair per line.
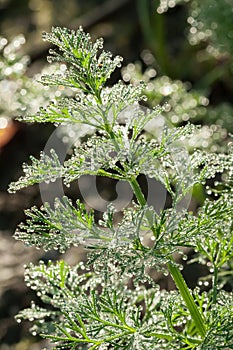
188,298
215,283
175,272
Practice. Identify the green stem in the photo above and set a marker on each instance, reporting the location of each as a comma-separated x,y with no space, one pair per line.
153,29
108,128
175,273
137,191
215,284
144,19
188,299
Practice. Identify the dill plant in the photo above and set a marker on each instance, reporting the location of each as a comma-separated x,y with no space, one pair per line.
91,306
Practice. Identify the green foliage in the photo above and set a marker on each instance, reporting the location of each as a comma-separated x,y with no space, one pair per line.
59,227
82,108
97,318
182,105
212,21
87,70
96,308
20,94
209,22
46,169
